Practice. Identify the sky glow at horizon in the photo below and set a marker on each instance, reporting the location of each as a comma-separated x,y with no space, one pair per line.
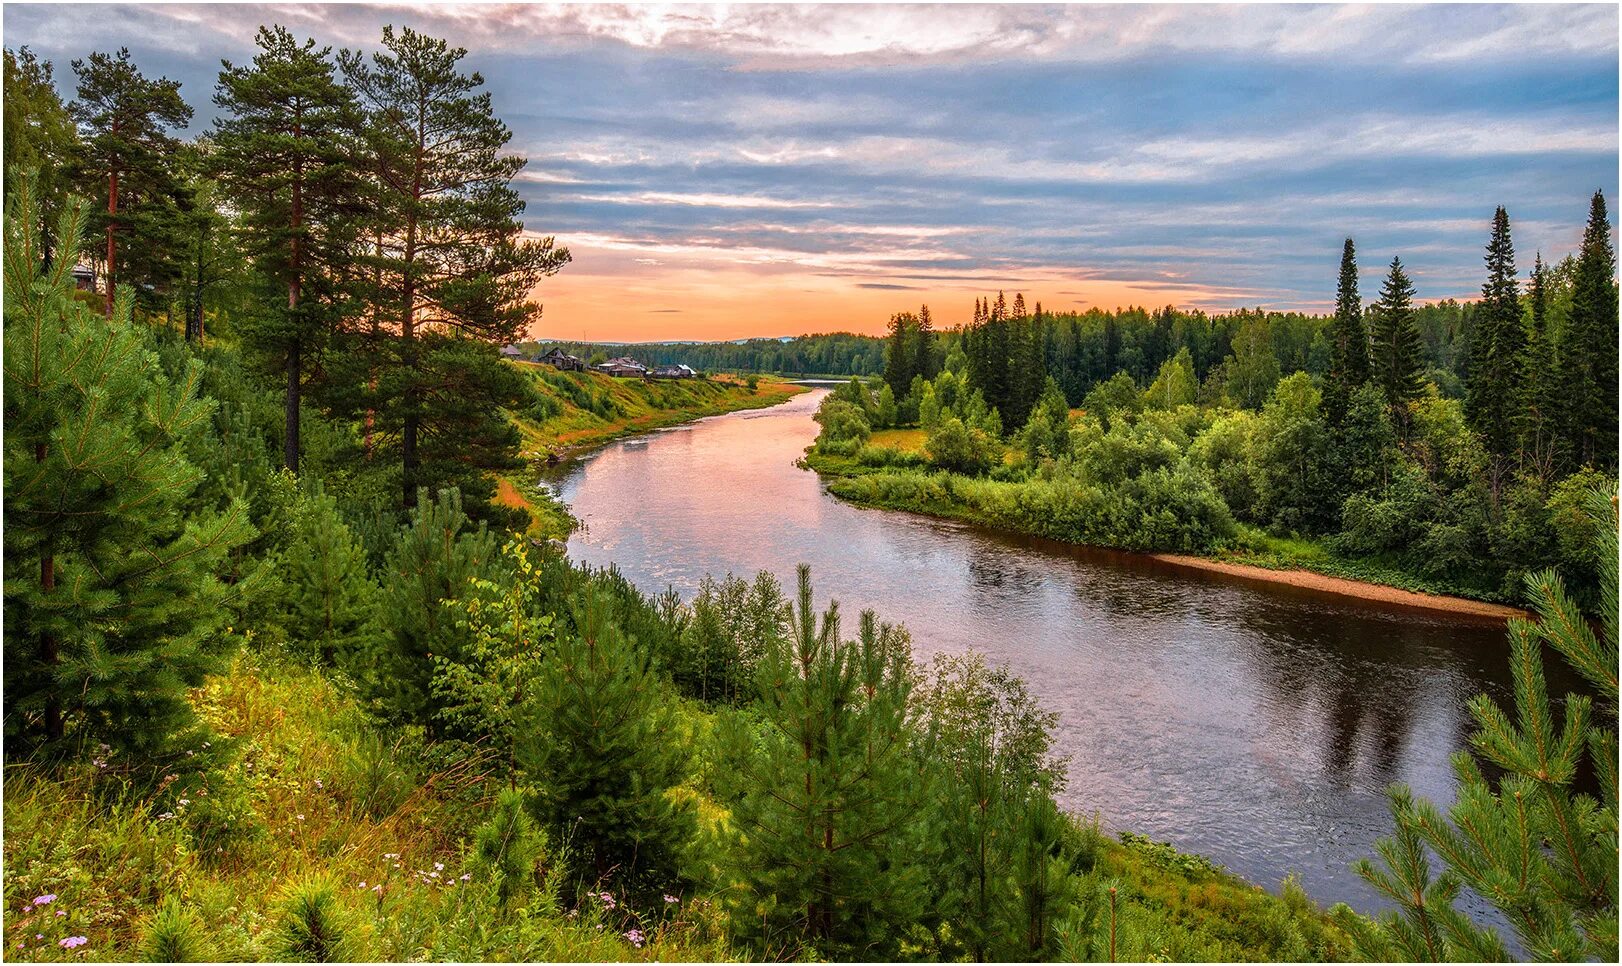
721,172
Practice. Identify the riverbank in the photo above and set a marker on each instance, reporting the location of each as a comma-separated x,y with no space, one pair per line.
1256,557
579,411
1345,587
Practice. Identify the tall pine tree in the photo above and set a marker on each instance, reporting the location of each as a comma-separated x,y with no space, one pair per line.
452,270
1544,412
126,161
285,149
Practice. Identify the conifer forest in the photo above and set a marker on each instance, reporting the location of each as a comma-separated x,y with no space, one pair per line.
319,647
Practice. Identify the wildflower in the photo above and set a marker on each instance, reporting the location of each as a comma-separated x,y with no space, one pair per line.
39,935
61,912
378,888
185,801
363,883
574,913
301,816
607,899
439,867
45,899
669,899
635,936
466,877
72,942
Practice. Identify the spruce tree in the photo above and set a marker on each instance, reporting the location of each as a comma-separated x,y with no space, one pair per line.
1543,416
1588,351
900,357
284,149
329,601
1397,347
125,119
1498,347
926,362
451,259
113,604
1348,341
1523,836
825,791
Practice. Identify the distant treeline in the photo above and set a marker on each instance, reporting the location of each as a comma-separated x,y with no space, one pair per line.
830,354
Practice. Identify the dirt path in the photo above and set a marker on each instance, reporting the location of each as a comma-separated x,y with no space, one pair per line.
1348,588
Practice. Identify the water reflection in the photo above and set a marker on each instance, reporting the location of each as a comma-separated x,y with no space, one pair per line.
1257,724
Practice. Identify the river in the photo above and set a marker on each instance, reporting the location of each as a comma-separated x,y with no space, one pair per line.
1252,723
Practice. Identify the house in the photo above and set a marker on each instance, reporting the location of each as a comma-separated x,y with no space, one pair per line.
558,359
84,277
674,372
623,367
511,352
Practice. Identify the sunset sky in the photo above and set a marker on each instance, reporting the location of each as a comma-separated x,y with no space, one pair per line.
721,172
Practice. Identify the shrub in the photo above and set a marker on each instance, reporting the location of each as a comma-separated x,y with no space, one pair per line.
313,927
508,848
174,934
958,448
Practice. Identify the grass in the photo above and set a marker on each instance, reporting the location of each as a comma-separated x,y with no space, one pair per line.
297,813
296,795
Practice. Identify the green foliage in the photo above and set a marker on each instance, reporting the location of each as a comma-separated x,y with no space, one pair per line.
958,448
113,600
597,740
1292,459
327,601
733,623
1588,351
175,934
1348,340
1497,347
508,849
434,559
1541,851
825,791
1397,348
1174,385
842,421
314,927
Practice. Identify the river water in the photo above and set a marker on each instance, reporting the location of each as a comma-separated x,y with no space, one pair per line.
1253,723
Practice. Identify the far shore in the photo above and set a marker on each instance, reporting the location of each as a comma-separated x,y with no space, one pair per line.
1345,587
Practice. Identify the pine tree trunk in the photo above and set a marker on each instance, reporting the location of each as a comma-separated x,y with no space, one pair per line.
408,429
48,655
112,240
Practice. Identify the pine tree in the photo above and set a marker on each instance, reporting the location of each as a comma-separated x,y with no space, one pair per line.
1530,842
825,790
1348,341
1588,351
284,150
113,605
434,559
1498,348
991,740
600,754
329,602
452,259
1397,347
39,137
125,120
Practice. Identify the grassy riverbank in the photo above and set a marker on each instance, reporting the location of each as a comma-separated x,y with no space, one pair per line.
889,472
299,799
577,411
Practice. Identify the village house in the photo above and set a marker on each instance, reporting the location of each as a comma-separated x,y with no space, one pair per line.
623,367
558,359
674,372
512,352
84,277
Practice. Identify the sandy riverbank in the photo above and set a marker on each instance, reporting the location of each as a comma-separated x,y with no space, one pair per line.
1347,588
